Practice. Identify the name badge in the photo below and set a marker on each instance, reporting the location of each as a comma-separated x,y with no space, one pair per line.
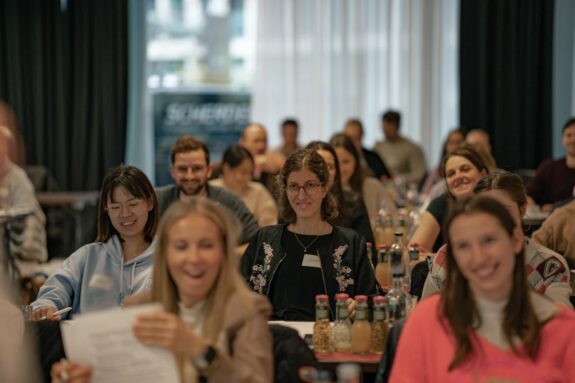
311,260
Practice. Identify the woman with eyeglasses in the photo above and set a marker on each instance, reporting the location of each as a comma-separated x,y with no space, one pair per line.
292,262
119,263
353,212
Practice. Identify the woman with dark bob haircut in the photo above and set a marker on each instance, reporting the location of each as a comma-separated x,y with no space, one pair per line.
292,262
119,263
236,175
461,169
487,325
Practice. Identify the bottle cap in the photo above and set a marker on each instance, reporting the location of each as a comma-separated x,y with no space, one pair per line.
398,234
321,298
361,298
379,299
342,297
382,246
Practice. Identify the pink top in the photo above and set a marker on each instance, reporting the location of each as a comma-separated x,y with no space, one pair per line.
425,351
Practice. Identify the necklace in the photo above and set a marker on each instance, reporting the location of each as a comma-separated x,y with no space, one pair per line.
308,245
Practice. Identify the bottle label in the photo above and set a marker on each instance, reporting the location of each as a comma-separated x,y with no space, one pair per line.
342,312
378,315
414,255
361,314
321,313
397,268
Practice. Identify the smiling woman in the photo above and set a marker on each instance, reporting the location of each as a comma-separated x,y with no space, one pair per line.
306,252
488,324
102,274
462,169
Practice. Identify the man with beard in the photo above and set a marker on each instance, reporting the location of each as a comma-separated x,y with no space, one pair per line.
191,170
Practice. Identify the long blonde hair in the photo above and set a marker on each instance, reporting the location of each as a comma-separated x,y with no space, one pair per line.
229,280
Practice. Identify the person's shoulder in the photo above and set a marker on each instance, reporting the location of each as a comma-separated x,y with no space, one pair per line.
165,189
426,311
372,182
244,304
536,253
348,234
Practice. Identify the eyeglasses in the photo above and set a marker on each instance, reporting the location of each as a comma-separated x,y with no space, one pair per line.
115,208
309,188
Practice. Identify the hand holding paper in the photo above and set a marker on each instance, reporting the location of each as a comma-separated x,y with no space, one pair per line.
105,340
166,330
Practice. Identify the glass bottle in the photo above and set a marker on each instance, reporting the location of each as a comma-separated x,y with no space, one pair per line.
321,329
397,297
341,330
379,326
361,330
388,229
382,272
402,224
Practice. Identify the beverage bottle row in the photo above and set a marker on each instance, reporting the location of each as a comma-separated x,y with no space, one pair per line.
360,337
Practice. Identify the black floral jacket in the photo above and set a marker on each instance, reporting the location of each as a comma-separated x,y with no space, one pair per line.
345,264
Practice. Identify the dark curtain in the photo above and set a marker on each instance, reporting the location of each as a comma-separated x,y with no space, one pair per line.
63,69
505,76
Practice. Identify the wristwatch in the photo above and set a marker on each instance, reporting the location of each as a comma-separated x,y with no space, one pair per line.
207,360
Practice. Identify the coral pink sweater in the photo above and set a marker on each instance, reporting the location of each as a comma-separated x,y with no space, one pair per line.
426,349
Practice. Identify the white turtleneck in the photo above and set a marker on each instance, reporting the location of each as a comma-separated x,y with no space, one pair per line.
492,314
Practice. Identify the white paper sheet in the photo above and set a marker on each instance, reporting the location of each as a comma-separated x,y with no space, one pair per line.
104,339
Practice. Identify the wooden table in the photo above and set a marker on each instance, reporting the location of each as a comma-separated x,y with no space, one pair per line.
367,362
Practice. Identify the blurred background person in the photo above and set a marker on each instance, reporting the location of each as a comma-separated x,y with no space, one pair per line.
462,169
255,139
352,212
374,194
454,140
480,140
236,172
370,161
16,148
25,235
558,232
403,157
289,133
554,180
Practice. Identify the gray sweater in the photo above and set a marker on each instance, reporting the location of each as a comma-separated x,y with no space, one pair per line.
170,193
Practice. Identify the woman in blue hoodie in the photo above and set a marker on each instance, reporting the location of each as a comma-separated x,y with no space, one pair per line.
119,263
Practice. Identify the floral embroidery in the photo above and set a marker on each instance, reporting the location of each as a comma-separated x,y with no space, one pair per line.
258,279
342,273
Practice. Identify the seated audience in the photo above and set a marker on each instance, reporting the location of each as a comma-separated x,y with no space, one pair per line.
404,158
461,168
306,255
26,235
191,170
374,194
289,131
454,140
481,142
215,326
547,272
255,139
554,180
237,168
352,212
558,232
370,161
487,325
119,263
